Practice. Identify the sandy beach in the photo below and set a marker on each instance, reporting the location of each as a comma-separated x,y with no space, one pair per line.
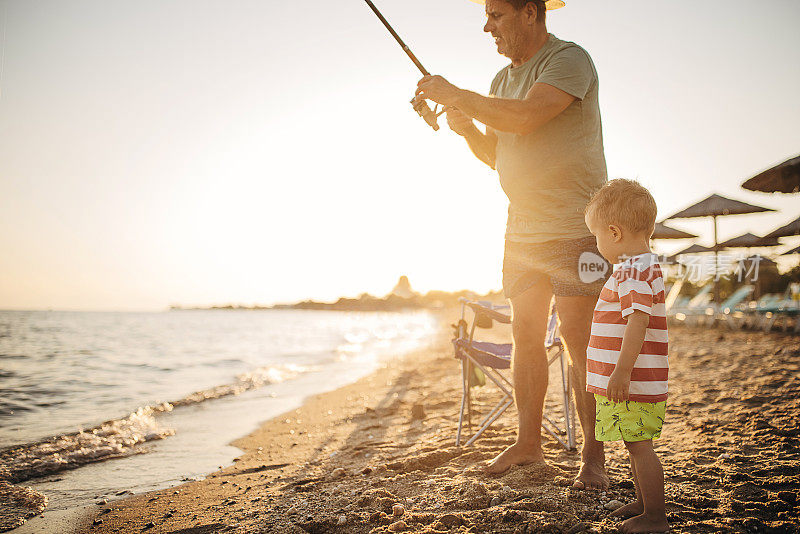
379,456
237,237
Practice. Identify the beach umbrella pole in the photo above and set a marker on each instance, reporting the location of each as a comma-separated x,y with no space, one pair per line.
716,261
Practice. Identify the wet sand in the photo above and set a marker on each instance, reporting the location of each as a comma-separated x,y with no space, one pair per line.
379,456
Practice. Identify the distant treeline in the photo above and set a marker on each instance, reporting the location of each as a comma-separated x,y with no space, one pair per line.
367,302
769,281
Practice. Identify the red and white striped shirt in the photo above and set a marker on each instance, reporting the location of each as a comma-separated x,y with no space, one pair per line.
636,284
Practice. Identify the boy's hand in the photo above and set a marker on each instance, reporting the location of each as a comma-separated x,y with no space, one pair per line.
618,385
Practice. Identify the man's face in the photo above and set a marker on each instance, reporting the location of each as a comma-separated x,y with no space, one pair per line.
507,26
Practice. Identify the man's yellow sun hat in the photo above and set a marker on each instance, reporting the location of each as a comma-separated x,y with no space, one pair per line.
549,4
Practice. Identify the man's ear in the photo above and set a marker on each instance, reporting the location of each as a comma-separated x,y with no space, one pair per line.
616,232
531,12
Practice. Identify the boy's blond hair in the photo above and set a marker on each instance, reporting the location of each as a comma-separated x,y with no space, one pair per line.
625,203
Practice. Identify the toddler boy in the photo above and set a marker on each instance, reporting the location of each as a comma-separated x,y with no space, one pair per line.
627,356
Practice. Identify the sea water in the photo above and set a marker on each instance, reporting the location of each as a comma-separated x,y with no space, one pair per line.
93,404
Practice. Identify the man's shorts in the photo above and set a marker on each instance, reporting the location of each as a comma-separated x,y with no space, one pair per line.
628,420
558,263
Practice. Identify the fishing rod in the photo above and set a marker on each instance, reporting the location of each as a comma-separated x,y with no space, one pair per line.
419,104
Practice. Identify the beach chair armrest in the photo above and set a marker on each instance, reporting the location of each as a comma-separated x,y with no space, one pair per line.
490,313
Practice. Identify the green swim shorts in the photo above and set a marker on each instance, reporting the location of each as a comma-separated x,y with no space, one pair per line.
628,420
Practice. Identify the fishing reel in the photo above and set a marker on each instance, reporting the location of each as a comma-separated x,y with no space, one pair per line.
422,108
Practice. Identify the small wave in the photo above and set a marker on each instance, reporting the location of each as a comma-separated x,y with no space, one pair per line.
11,406
356,338
13,357
112,439
226,361
257,378
19,504
49,404
120,437
152,366
348,349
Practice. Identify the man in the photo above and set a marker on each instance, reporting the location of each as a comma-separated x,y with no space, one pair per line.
544,136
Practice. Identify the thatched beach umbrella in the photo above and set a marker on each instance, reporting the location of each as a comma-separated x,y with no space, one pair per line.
793,228
756,266
694,249
783,178
662,231
795,250
749,240
761,261
757,262
715,206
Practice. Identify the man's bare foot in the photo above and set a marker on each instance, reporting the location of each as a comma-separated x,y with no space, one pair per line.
645,523
628,510
516,454
591,476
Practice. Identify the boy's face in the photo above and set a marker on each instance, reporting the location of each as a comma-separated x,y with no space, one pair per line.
608,236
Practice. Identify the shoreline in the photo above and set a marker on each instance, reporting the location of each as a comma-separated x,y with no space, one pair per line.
345,459
70,468
80,519
77,518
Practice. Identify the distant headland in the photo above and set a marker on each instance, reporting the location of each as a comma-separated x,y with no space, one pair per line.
402,297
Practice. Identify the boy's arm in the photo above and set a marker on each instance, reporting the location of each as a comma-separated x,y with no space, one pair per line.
620,380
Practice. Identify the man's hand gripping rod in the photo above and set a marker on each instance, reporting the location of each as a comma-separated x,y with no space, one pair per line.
420,106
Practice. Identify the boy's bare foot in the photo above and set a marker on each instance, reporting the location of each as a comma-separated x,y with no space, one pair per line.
516,454
645,523
591,476
628,510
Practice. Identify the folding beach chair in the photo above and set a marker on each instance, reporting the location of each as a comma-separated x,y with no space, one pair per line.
787,307
482,359
694,309
729,312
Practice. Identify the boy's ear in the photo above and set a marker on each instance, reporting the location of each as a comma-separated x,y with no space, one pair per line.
616,232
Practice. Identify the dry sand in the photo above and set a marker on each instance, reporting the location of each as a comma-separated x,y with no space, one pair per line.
357,460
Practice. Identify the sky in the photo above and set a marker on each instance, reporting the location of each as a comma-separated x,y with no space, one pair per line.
207,152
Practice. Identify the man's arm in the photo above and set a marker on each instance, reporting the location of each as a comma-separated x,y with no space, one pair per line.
483,145
541,104
620,380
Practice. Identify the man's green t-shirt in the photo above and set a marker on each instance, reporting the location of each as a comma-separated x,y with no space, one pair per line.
550,174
